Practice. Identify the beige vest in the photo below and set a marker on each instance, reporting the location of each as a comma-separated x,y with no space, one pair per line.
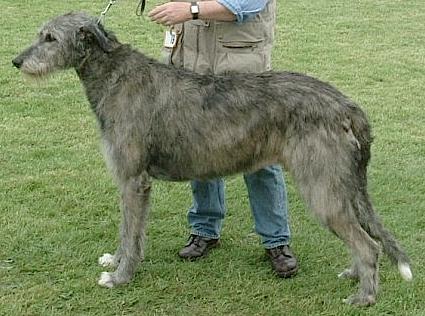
217,47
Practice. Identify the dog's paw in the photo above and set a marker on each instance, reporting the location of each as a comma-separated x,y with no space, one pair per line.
107,260
360,300
348,274
106,280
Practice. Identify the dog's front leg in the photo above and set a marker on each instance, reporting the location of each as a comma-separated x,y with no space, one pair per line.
135,204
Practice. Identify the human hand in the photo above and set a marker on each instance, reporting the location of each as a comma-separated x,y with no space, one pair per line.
171,13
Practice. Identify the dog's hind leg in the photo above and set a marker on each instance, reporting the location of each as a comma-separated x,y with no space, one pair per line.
135,197
324,169
335,211
365,252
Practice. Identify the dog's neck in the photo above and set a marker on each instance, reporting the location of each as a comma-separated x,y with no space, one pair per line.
94,75
121,62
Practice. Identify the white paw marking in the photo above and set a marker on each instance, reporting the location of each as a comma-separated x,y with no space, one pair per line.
106,280
107,260
405,271
345,274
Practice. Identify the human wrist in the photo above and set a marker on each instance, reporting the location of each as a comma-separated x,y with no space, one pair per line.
194,10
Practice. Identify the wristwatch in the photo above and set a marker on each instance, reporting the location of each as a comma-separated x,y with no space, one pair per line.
194,9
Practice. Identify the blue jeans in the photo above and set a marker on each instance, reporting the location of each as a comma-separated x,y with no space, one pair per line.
267,196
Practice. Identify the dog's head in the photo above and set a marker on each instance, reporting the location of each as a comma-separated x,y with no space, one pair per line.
63,43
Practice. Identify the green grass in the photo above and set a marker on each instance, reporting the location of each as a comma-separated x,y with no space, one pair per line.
58,205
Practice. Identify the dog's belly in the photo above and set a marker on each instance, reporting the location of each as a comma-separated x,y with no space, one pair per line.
166,174
208,169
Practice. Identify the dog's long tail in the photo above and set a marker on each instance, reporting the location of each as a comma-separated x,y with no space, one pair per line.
373,225
368,219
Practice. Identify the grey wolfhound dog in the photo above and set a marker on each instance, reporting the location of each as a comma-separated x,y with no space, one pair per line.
165,123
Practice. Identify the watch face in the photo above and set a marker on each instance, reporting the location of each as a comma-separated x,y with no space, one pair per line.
194,9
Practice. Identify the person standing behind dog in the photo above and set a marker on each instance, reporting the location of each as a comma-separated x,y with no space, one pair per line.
217,37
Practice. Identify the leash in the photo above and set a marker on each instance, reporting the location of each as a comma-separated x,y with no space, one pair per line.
139,11
140,7
103,14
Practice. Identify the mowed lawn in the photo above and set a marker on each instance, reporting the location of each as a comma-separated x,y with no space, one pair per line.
59,206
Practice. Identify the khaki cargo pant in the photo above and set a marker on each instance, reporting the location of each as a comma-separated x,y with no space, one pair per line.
218,47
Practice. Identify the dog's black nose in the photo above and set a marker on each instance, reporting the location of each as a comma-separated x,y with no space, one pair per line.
17,62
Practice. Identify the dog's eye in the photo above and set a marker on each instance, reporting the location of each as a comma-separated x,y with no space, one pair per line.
49,38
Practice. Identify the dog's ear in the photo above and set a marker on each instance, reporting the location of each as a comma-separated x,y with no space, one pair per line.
94,33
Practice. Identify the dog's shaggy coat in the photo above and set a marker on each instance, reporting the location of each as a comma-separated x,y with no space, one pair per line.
160,122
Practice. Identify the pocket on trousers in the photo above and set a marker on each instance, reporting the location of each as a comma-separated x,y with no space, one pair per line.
241,56
249,35
241,46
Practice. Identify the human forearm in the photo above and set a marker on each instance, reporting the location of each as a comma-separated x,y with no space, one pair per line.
212,10
178,12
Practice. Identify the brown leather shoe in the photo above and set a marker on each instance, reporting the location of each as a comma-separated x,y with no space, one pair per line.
197,247
283,261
